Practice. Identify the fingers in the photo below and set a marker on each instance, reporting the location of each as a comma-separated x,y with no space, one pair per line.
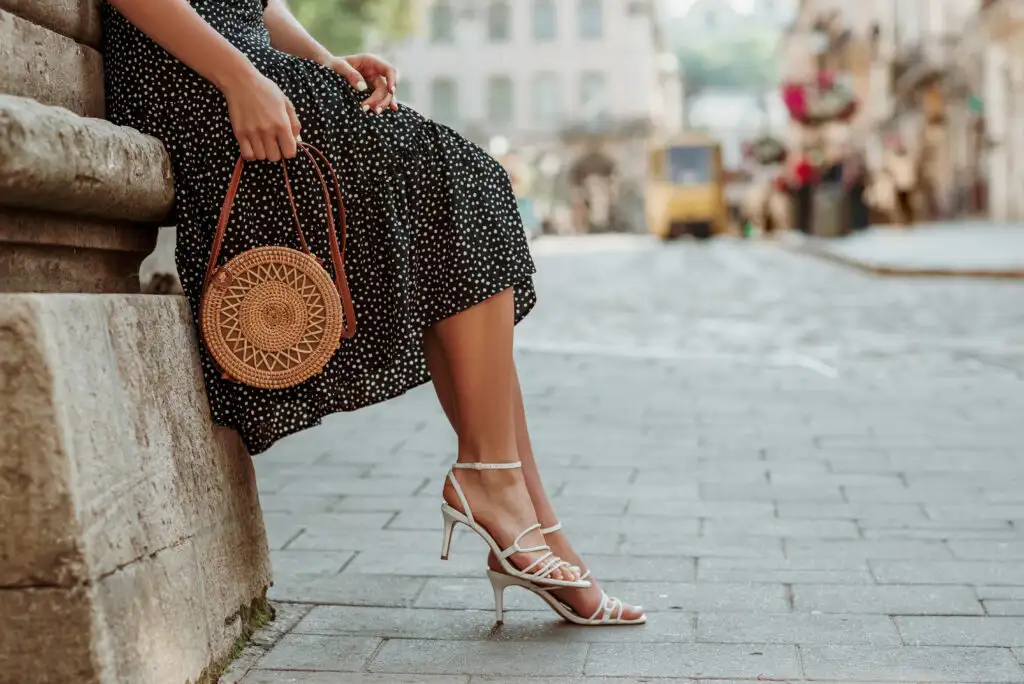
375,102
294,118
391,74
258,151
246,149
349,72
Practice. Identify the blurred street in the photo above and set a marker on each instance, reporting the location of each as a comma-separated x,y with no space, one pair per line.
802,472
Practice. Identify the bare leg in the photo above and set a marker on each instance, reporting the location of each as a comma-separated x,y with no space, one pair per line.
476,346
583,601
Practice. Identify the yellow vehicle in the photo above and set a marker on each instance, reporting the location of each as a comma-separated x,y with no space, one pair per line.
686,190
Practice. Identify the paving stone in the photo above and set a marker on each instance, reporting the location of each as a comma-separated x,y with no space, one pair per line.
361,487
988,550
961,631
948,572
355,590
775,527
474,657
299,564
784,571
983,512
914,664
665,542
797,628
310,652
693,660
393,504
886,600
666,492
722,492
296,503
875,513
997,607
479,625
292,677
326,538
987,592
867,550
701,509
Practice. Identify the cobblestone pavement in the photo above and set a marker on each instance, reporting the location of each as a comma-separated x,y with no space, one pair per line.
803,473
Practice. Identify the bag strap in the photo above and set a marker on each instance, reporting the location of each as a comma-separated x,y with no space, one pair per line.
337,248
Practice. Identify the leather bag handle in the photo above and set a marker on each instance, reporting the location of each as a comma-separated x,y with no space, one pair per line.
337,246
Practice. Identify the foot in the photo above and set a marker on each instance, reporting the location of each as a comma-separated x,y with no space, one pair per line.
584,602
501,504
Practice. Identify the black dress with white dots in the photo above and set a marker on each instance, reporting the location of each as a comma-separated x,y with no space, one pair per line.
433,224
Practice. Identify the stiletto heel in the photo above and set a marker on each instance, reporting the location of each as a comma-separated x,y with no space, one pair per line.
449,528
538,572
499,596
608,613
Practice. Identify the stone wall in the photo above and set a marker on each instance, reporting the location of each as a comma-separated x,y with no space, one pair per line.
132,547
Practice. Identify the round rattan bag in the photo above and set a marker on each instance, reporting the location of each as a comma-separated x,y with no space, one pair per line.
271,317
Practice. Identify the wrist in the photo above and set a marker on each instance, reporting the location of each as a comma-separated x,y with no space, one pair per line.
234,73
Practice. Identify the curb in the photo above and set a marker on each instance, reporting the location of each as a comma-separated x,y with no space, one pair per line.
897,271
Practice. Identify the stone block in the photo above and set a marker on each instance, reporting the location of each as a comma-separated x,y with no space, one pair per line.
35,62
50,157
747,661
313,652
44,252
125,510
78,19
908,664
474,657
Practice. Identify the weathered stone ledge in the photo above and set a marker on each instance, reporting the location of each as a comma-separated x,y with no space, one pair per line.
77,19
37,63
52,159
132,532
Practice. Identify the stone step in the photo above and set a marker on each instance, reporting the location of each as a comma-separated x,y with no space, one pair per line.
38,63
43,252
54,160
77,19
132,538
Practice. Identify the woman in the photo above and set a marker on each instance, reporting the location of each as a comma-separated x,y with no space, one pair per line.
438,262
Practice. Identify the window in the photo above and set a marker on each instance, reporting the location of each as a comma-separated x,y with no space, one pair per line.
444,100
544,20
547,104
500,102
689,165
442,22
591,19
593,95
499,22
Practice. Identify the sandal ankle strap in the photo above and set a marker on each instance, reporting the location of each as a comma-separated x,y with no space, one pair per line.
487,466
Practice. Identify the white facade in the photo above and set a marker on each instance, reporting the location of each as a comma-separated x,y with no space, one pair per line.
526,69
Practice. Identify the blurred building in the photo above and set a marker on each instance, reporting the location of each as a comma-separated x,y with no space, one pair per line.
577,86
943,79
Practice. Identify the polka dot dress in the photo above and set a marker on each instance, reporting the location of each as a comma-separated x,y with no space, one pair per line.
433,225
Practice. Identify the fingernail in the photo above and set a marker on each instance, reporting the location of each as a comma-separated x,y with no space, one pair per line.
361,86
366,108
379,110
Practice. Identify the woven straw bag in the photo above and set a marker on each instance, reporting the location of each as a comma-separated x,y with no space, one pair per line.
271,317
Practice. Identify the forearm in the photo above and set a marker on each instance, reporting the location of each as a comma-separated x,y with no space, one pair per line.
288,35
178,28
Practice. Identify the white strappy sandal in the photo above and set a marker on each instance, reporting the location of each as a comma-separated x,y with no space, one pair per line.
609,611
538,572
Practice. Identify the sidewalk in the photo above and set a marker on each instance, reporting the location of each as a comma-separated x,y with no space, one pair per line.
937,249
777,521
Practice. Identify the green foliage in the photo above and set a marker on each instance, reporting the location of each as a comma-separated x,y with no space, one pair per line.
341,25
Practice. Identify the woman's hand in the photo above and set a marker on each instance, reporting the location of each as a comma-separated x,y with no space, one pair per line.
263,119
363,69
